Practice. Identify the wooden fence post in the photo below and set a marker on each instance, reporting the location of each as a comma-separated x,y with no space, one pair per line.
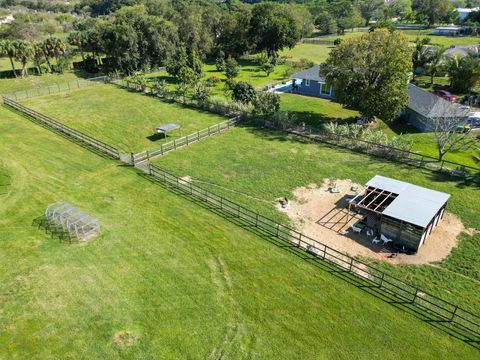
415,296
454,313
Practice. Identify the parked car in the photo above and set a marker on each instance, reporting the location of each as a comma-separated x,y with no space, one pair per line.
445,94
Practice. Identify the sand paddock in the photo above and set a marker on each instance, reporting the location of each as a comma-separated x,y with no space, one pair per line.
322,215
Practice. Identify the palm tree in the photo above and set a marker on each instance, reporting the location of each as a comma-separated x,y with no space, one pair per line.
77,39
7,48
435,61
421,55
23,53
59,49
45,46
464,72
38,56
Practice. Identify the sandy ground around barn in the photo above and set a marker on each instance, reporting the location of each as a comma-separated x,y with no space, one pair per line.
322,215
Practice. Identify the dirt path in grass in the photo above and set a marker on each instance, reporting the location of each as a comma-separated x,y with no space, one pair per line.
322,215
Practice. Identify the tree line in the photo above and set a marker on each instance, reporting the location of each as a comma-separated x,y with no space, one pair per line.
40,53
462,70
144,37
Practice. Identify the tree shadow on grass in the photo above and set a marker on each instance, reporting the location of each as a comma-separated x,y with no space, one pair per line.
317,120
400,126
402,303
84,74
471,181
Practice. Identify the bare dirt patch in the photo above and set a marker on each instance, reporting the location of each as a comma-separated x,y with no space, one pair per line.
124,338
322,215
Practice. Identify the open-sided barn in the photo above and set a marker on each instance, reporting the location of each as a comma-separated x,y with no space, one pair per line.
400,211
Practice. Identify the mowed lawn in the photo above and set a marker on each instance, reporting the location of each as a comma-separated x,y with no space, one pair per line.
180,281
12,85
119,117
250,71
414,34
255,167
316,53
316,112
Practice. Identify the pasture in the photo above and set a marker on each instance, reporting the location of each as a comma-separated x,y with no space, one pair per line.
165,268
121,118
17,84
414,34
258,167
317,53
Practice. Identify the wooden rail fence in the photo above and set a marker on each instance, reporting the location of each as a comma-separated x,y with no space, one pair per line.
184,141
54,124
391,153
54,88
442,310
433,307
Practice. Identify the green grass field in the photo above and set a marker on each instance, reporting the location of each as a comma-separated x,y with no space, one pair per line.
414,34
316,111
119,117
258,167
249,72
184,282
12,85
317,53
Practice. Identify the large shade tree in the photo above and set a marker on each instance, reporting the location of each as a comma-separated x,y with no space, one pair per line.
371,72
433,11
137,41
273,28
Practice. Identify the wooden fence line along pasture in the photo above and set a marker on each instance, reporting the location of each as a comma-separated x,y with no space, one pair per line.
391,153
443,311
384,151
54,88
51,123
214,108
184,141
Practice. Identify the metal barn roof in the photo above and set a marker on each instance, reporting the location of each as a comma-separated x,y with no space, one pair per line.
414,204
310,74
